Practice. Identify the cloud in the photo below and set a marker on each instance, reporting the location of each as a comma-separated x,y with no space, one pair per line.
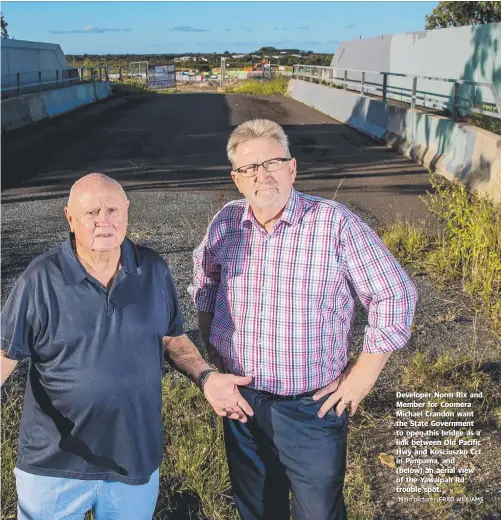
284,28
303,27
227,30
351,26
187,28
90,29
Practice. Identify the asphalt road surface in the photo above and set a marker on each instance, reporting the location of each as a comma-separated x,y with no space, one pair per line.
177,142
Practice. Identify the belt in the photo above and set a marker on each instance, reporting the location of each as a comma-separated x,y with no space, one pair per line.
278,397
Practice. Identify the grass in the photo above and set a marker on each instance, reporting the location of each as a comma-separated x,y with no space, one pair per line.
408,240
357,488
465,248
194,479
491,124
130,85
140,235
487,123
12,404
195,461
277,86
450,372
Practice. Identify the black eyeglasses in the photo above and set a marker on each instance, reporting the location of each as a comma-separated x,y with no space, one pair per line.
271,165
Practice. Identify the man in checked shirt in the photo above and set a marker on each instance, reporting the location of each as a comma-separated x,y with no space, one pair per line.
274,284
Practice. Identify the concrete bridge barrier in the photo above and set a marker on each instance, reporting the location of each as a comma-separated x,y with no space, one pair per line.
456,151
25,109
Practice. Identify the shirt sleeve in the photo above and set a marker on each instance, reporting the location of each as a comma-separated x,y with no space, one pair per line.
176,319
382,285
206,272
19,323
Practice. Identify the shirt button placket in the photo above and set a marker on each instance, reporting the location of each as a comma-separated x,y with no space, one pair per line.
263,286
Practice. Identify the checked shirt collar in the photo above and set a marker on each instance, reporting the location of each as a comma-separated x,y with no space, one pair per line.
294,211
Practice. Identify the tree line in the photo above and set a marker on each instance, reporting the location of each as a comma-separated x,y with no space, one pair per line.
213,59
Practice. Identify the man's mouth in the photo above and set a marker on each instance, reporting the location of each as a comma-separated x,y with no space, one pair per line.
104,235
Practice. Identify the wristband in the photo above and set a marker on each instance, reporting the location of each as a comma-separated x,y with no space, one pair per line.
202,378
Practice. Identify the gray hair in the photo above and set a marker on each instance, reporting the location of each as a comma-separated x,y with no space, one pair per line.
255,129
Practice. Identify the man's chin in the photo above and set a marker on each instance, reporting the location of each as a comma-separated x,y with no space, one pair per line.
266,199
102,245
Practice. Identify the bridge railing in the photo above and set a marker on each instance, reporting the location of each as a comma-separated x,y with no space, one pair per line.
28,82
459,97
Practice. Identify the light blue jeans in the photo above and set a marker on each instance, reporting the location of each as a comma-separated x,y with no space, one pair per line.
54,498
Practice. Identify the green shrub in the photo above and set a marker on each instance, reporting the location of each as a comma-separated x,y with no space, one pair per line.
277,86
465,248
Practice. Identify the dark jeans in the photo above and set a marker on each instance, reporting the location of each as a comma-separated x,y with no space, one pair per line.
285,446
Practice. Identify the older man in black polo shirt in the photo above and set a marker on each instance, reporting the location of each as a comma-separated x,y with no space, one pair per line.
94,316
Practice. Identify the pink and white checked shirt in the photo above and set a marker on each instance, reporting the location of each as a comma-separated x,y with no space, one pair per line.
283,301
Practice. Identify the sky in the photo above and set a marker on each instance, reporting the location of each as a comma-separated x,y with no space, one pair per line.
180,27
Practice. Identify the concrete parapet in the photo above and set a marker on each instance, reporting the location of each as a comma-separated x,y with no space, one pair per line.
25,109
456,151
37,107
15,113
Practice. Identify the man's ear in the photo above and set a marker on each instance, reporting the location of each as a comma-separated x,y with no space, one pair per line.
293,169
69,218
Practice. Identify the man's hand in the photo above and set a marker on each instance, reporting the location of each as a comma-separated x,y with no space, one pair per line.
7,365
221,390
353,384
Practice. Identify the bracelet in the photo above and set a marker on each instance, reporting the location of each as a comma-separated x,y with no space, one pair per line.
202,378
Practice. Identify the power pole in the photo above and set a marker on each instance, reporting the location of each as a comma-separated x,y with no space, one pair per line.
223,70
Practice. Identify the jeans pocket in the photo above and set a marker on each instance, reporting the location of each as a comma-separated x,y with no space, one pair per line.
334,417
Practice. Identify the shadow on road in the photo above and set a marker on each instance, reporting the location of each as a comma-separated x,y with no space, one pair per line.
178,142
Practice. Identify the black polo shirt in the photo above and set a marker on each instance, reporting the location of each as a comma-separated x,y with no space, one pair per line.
93,400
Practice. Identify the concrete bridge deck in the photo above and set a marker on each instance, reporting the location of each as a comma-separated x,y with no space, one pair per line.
177,142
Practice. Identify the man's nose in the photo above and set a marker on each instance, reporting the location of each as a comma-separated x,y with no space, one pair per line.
102,218
262,174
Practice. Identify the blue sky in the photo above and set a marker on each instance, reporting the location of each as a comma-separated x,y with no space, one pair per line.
179,27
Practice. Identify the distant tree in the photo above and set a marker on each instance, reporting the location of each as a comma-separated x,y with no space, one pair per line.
5,33
458,14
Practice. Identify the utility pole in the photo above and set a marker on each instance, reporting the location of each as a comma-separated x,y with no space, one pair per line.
223,70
